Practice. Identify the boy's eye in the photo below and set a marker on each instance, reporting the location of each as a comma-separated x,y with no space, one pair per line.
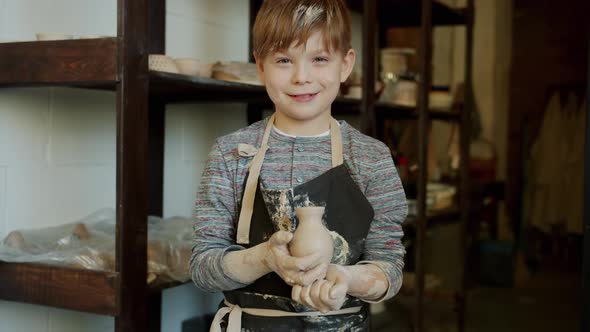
283,60
320,59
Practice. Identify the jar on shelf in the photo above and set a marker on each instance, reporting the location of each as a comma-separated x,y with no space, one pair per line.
395,60
399,89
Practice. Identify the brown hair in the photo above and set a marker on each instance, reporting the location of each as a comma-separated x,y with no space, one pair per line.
279,23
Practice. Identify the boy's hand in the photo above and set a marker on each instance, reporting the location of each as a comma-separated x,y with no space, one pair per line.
324,295
293,270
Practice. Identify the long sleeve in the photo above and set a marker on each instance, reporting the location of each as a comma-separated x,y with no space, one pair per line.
214,228
383,246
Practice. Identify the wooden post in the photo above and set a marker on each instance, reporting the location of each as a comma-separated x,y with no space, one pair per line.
368,67
423,132
254,112
132,157
586,260
464,189
156,142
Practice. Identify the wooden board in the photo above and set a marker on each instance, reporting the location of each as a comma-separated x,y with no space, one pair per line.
82,290
58,62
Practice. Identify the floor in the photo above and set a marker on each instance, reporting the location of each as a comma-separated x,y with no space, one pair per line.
547,301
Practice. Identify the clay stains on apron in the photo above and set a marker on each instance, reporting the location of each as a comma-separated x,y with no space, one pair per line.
341,254
281,204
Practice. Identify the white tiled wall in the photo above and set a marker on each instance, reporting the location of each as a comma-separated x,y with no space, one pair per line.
2,199
57,145
21,19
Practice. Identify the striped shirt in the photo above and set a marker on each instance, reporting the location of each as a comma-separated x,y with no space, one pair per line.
290,161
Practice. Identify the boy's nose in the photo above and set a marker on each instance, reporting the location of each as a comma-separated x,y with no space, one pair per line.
301,74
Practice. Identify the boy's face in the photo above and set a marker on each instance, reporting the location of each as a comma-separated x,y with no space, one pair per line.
303,81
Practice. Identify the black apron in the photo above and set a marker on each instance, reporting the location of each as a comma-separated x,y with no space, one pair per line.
348,216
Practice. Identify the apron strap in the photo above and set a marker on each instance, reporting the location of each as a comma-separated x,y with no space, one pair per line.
243,236
234,323
243,232
336,141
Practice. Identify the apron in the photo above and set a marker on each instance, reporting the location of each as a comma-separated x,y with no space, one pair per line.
266,305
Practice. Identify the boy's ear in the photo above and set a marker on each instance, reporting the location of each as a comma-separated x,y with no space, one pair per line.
347,65
259,69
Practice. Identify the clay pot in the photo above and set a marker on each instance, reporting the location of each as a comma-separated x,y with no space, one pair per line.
311,235
81,232
15,240
156,256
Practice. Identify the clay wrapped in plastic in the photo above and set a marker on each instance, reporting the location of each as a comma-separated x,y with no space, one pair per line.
89,243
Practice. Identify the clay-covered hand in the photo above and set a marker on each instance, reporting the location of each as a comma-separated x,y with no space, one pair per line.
293,270
324,295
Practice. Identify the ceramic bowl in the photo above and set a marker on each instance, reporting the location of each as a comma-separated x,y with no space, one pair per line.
206,70
52,36
188,66
161,62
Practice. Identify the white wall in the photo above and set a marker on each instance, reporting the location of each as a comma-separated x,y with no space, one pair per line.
57,145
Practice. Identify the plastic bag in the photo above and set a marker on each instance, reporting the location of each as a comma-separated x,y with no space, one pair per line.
90,244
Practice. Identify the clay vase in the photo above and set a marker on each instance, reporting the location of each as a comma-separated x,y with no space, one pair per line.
311,235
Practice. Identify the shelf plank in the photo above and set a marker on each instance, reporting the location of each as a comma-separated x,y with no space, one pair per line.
401,112
81,290
407,13
434,218
85,62
178,88
159,286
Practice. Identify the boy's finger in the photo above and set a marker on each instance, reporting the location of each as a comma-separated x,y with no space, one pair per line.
296,293
309,262
317,273
306,297
338,291
301,263
325,291
281,238
314,292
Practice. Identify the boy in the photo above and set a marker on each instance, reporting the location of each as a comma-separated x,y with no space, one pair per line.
300,156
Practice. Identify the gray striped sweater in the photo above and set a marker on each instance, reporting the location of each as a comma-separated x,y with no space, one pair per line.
290,161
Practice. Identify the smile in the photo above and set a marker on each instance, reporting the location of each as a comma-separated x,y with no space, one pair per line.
304,97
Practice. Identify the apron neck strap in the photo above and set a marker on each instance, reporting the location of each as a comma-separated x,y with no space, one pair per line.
243,232
336,141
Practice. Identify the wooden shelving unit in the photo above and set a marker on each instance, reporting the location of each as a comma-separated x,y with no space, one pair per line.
120,64
378,16
435,218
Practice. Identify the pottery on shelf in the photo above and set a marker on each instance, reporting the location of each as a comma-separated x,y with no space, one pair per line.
311,236
206,70
52,36
188,66
15,240
161,62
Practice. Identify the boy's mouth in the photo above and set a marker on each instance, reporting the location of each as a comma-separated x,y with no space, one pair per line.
304,97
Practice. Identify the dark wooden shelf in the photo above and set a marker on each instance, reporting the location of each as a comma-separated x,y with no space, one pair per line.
401,112
435,218
177,88
160,286
83,62
406,13
68,288
82,290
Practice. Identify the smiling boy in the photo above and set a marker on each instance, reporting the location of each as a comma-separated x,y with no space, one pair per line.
300,156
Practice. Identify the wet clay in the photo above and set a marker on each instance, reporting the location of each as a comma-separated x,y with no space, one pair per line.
368,282
311,236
